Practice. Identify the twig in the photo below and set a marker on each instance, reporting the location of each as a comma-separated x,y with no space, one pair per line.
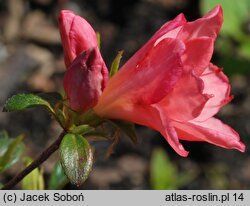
44,156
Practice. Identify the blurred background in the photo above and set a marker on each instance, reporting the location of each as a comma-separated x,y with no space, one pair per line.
31,60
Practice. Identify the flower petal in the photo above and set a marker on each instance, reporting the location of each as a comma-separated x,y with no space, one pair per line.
167,130
77,35
209,26
217,84
169,29
198,53
149,81
187,100
213,131
149,116
153,80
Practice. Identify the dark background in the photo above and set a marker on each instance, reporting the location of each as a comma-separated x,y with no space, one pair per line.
31,60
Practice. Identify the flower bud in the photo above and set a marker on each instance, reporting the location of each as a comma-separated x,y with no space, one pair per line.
86,74
85,80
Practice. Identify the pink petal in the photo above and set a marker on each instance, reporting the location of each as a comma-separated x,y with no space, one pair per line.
169,29
158,72
149,116
168,131
77,35
147,83
208,26
213,131
198,53
187,100
217,84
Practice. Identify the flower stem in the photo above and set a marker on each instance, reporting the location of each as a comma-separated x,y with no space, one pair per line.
42,157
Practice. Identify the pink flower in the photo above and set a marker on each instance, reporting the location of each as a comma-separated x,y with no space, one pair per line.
86,74
171,86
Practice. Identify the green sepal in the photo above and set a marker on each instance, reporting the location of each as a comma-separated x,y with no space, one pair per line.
115,64
98,38
76,158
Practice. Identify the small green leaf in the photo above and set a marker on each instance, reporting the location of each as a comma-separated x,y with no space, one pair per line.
115,64
13,153
4,142
57,178
76,158
128,128
23,101
98,37
34,180
163,173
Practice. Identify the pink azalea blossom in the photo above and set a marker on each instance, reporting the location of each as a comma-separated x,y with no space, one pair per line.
86,74
171,86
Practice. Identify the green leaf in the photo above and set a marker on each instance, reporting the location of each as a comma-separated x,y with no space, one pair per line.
57,178
98,37
115,64
76,158
128,128
34,180
24,101
13,153
163,173
48,100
